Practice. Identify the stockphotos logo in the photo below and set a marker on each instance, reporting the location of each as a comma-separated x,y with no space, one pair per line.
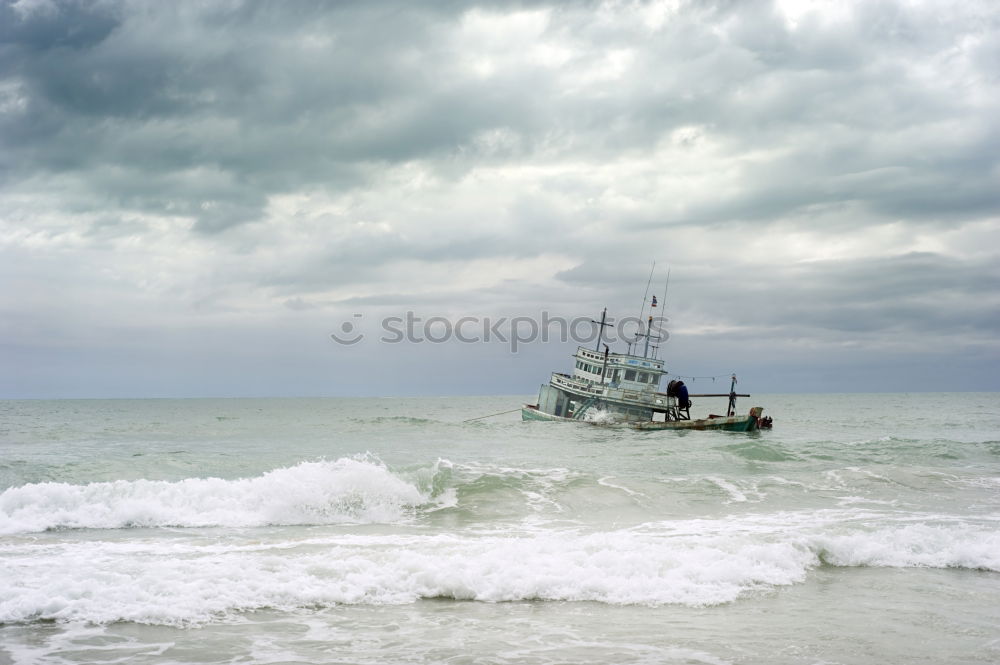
515,331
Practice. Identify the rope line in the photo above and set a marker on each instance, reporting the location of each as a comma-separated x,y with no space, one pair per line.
500,413
695,378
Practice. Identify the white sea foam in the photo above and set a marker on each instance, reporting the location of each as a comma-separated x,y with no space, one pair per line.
861,500
600,416
541,475
735,495
985,482
343,491
537,486
162,583
179,581
914,545
606,482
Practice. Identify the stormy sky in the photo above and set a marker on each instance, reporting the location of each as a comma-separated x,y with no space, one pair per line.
195,196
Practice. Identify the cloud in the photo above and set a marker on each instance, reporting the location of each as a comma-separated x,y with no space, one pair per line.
817,173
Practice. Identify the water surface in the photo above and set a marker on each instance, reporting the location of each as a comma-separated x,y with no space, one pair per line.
862,529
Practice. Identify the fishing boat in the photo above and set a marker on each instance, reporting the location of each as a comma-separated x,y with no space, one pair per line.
609,388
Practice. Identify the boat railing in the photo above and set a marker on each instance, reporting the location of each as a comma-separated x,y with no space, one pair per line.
653,399
566,381
642,362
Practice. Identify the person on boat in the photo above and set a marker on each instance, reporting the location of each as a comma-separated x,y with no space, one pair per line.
683,403
672,388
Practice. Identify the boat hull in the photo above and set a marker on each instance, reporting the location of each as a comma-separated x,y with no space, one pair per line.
747,423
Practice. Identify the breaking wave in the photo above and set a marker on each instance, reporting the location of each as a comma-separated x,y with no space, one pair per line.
178,583
348,490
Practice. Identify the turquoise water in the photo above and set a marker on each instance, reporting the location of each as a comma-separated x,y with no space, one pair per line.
861,529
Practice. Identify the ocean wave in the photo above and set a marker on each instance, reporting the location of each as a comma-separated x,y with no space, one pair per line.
348,490
164,583
913,546
491,491
171,582
759,451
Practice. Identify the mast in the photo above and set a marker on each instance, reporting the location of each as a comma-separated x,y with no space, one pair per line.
649,326
731,411
600,330
649,335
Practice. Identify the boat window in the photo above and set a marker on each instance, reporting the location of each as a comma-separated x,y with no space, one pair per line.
630,375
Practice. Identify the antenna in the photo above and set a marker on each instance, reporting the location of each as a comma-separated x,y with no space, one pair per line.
642,310
661,317
665,287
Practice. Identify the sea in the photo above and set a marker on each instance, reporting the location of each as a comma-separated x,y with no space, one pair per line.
862,528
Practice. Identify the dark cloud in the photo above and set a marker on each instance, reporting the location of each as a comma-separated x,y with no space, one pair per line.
70,25
276,98
825,175
911,301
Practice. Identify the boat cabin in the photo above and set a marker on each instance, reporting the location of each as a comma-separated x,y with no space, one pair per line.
618,370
